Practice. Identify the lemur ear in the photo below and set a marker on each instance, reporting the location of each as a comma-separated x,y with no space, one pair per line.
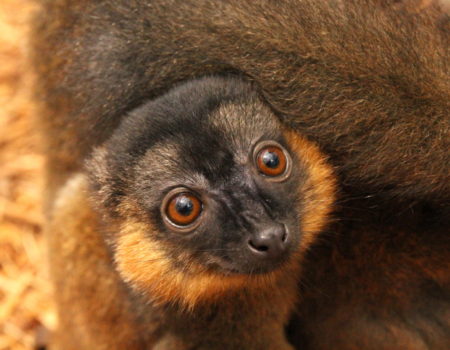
100,179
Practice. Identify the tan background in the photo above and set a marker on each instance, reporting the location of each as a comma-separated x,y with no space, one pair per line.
24,290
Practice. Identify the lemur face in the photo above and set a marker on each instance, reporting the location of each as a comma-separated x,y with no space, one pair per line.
210,180
225,189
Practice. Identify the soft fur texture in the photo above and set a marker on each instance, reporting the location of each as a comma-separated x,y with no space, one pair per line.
202,289
366,80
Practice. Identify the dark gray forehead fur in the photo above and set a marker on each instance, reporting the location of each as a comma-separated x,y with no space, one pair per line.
195,135
222,141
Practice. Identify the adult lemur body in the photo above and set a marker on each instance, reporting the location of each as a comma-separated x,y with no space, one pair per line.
366,80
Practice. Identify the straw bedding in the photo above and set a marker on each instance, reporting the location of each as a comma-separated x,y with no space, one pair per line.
25,302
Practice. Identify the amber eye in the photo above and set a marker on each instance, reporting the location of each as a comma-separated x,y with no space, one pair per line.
272,160
181,208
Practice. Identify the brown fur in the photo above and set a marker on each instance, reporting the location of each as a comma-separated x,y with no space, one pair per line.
351,75
81,266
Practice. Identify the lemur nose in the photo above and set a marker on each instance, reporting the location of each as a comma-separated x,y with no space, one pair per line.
270,242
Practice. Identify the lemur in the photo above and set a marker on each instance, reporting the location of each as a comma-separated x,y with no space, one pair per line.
187,228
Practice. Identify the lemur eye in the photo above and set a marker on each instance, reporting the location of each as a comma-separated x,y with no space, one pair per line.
181,208
272,160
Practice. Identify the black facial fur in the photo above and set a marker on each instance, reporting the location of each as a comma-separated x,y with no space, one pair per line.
201,136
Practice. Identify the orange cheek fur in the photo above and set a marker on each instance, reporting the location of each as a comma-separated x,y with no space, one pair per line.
319,190
142,261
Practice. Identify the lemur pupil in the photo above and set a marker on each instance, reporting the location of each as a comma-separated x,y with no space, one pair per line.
271,160
184,206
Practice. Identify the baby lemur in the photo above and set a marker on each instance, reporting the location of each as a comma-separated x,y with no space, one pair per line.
188,226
